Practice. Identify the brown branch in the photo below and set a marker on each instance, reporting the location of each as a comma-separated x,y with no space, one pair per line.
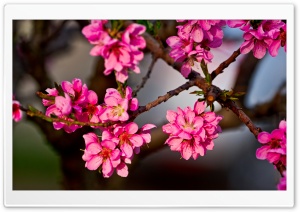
199,81
54,34
241,115
36,113
144,80
163,98
225,64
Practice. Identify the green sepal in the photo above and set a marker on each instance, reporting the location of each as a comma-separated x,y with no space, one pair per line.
32,109
205,72
198,93
53,116
59,89
239,94
212,107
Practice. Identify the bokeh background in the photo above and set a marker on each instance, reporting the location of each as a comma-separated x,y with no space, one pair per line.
47,51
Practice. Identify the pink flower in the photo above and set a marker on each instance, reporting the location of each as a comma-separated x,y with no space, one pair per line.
274,145
91,31
76,90
180,48
100,153
97,35
90,110
115,108
74,102
255,42
145,132
132,36
267,35
282,184
121,53
17,113
51,92
127,138
279,41
207,32
193,43
63,104
202,54
192,130
117,56
69,128
241,24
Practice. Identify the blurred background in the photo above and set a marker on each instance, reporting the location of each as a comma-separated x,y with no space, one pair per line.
48,51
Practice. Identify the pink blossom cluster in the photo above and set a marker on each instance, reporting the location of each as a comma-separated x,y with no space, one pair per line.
274,145
267,35
192,130
76,103
282,183
116,148
16,111
121,50
193,43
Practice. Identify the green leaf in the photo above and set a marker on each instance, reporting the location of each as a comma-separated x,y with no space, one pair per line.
198,93
205,71
223,97
147,24
156,27
32,109
239,94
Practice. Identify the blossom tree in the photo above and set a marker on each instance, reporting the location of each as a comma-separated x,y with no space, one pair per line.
99,118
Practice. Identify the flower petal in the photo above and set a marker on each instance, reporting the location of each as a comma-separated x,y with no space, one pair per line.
261,153
90,138
136,140
94,163
107,168
122,170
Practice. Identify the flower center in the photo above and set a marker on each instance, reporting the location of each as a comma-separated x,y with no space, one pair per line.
118,110
124,138
105,153
282,37
275,143
91,109
15,107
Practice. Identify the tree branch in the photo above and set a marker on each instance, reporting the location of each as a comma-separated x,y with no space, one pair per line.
144,80
225,64
200,82
34,112
163,98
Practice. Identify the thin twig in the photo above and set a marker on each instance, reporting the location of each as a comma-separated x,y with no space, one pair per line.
145,78
163,98
225,64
